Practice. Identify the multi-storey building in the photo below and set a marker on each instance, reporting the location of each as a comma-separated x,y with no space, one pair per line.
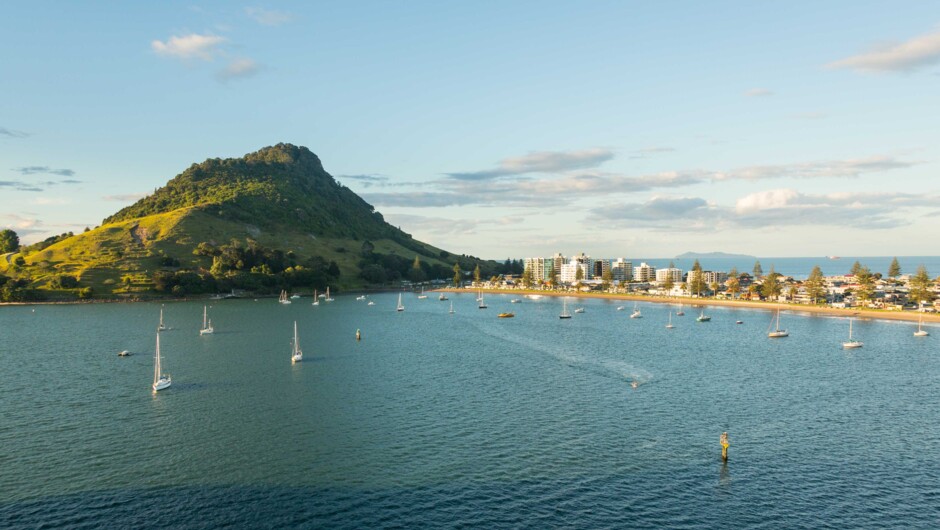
671,273
644,273
622,270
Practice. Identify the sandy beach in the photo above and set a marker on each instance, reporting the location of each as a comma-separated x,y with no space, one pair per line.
743,304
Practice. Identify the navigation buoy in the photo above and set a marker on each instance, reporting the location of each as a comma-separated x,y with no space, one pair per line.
358,335
724,446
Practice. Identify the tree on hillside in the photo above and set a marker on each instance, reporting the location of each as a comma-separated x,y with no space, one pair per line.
9,241
758,270
457,274
815,285
920,286
417,274
894,270
476,274
856,267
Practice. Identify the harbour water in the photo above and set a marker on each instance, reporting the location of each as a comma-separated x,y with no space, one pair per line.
440,420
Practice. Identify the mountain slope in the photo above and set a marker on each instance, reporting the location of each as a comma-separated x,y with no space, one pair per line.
272,219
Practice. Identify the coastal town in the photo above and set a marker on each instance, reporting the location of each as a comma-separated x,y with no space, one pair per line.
859,288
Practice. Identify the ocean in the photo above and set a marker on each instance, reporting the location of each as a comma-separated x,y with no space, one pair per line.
438,420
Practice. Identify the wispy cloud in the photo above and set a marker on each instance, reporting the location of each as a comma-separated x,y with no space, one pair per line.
33,170
50,201
817,169
267,17
810,115
239,69
758,92
20,185
10,133
21,224
367,181
541,162
192,46
125,197
898,57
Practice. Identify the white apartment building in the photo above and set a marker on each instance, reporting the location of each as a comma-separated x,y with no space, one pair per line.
569,272
622,270
644,273
672,273
714,277
540,268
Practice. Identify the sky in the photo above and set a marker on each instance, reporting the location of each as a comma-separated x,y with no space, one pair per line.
499,128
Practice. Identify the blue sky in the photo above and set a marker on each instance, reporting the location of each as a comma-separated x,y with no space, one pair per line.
499,128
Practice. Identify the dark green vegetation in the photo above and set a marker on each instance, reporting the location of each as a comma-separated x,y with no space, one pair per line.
271,220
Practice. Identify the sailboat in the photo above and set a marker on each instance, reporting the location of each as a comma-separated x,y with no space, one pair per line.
328,299
422,295
316,299
703,317
480,296
564,309
400,306
207,328
451,307
294,296
852,343
920,327
482,303
161,326
778,333
442,297
160,381
636,311
283,298
296,355
680,312
669,325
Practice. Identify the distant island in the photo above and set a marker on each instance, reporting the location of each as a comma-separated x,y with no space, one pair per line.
713,255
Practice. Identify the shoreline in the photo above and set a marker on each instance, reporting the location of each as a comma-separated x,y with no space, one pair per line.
871,314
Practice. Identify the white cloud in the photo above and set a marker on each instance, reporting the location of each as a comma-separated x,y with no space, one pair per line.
192,46
541,162
268,18
125,197
239,69
765,199
50,201
903,57
758,92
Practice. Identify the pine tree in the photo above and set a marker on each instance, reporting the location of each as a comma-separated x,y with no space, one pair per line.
476,274
856,267
894,270
920,286
457,274
733,283
758,271
815,284
866,285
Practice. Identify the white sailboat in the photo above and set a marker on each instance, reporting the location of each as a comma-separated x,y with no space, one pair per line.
422,295
777,332
328,299
636,311
669,325
442,297
161,326
480,296
852,343
564,309
160,381
283,298
482,303
451,307
680,312
207,328
703,317
579,310
316,299
921,332
400,306
296,355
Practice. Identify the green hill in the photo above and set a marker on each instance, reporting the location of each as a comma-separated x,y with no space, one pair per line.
273,219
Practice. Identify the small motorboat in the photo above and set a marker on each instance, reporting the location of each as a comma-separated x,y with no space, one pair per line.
506,315
124,353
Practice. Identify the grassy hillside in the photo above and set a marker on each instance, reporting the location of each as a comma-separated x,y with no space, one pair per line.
273,219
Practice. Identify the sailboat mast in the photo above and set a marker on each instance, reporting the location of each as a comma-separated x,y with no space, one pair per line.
156,363
296,344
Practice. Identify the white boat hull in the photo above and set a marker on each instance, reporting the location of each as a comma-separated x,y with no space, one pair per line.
852,344
164,382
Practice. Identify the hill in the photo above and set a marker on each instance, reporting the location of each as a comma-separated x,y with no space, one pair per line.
273,219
